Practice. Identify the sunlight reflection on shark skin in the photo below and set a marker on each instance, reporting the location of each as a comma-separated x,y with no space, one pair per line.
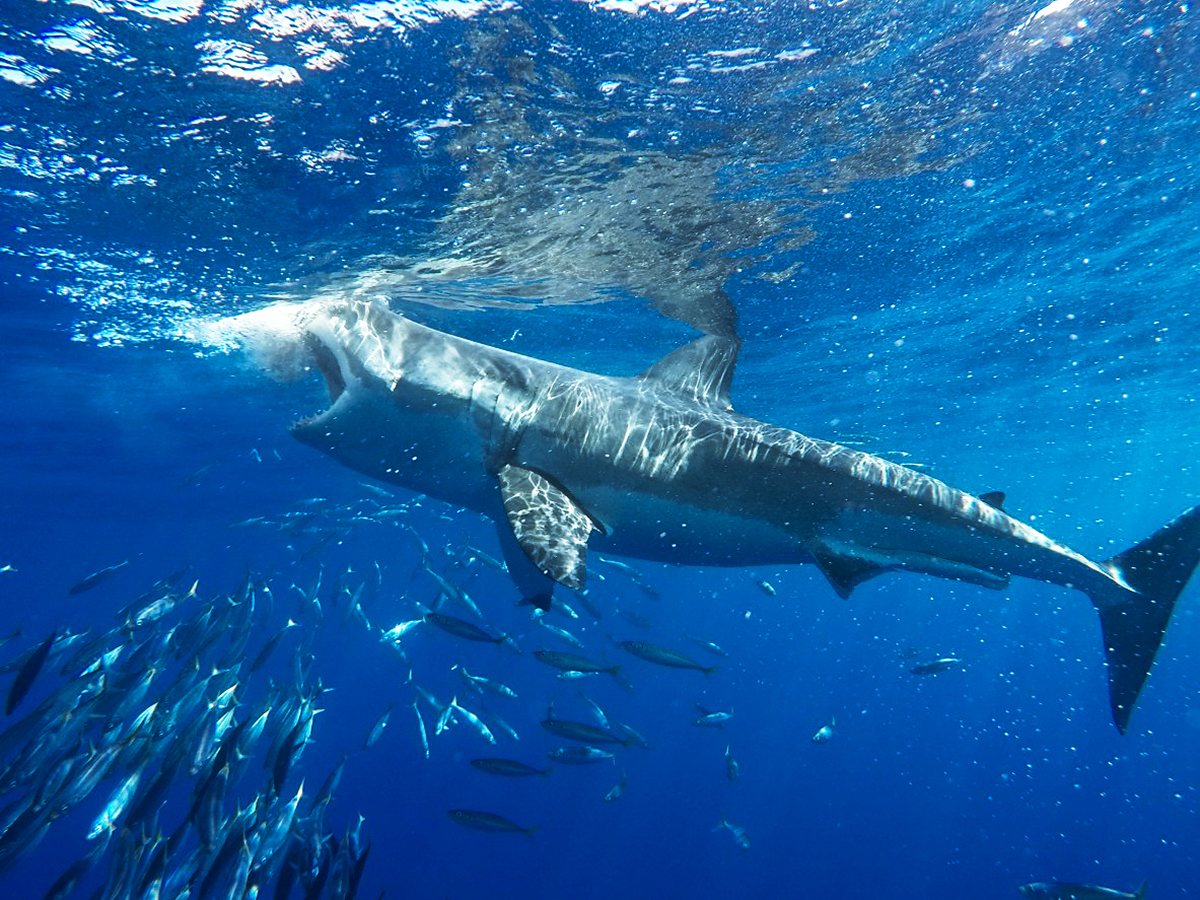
660,467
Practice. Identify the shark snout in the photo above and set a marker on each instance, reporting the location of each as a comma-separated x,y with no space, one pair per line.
274,338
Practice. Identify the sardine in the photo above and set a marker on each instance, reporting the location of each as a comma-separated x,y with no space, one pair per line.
617,789
569,662
28,674
507,767
582,732
739,834
574,756
485,821
421,728
96,578
709,718
377,729
938,665
561,633
474,721
107,820
463,629
665,656
481,684
825,732
732,769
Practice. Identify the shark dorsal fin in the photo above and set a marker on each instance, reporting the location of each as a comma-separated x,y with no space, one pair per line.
700,371
994,499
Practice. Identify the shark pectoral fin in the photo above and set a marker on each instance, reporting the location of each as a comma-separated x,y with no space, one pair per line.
550,527
844,572
535,587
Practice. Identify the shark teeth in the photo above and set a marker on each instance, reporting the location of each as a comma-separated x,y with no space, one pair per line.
327,364
325,361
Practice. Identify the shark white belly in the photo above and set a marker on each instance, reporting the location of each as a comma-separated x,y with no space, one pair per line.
660,467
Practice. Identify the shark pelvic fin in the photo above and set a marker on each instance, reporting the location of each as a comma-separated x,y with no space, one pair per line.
847,569
844,572
550,527
701,371
1133,624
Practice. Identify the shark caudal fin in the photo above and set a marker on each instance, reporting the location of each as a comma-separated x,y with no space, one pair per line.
1133,624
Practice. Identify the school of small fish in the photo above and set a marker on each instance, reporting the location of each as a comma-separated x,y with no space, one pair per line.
170,700
166,703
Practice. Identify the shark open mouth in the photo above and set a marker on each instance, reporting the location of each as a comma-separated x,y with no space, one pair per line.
326,362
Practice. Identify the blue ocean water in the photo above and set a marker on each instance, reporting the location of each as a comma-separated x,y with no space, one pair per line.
963,236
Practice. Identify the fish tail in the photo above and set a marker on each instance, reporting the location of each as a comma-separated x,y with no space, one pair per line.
1133,622
708,670
620,679
1140,893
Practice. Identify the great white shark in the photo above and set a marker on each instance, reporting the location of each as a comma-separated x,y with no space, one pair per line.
660,467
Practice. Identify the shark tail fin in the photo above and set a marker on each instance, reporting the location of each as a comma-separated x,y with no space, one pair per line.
1133,623
1140,893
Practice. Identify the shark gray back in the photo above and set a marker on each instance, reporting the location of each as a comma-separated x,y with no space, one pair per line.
659,466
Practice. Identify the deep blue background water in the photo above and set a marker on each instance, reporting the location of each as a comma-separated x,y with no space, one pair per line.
969,232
